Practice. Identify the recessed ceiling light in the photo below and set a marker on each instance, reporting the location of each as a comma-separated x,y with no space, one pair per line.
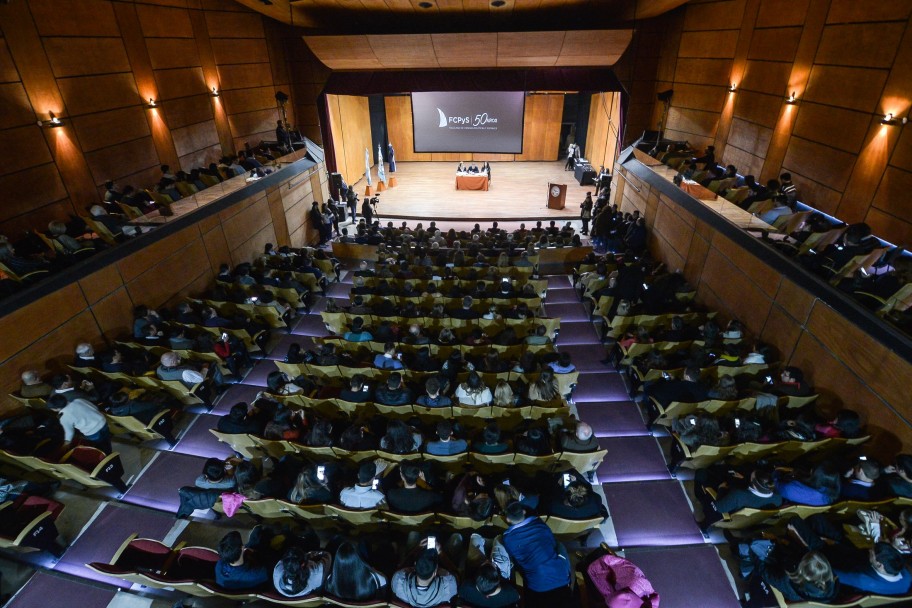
425,5
498,3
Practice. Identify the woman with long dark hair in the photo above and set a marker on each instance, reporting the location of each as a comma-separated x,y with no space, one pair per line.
351,578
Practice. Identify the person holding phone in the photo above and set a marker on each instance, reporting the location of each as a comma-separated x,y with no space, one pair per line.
366,493
426,584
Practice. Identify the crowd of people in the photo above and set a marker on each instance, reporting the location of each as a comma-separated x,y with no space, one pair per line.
107,222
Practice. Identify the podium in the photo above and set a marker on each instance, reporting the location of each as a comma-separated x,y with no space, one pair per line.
557,194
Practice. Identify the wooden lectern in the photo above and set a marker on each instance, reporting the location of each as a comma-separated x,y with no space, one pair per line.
557,193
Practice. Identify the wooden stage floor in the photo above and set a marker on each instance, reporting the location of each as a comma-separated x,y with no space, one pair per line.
518,190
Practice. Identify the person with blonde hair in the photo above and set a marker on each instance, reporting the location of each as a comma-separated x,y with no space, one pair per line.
503,395
812,579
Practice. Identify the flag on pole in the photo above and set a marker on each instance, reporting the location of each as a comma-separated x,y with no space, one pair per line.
381,175
367,166
392,157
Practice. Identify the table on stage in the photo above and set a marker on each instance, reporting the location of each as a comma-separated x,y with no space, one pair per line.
471,181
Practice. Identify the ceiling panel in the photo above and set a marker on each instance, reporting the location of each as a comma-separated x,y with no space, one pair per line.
483,50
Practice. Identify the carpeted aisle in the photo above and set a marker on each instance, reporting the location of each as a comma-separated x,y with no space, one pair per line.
650,515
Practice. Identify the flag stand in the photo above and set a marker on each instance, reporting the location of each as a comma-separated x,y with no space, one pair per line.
392,181
381,186
368,191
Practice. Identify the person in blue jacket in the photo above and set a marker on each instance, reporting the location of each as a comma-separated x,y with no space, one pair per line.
541,559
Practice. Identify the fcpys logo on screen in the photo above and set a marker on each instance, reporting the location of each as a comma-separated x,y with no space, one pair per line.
479,121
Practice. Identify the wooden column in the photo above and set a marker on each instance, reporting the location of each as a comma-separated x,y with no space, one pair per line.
210,73
737,73
798,79
135,45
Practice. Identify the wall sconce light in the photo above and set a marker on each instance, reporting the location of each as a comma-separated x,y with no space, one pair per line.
215,92
732,88
791,99
52,122
152,103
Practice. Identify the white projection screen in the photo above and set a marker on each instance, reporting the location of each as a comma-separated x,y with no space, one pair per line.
464,121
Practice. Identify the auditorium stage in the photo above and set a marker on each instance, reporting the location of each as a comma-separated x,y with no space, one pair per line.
518,190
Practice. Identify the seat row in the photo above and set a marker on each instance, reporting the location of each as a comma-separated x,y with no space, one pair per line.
85,465
251,446
191,570
338,323
438,351
717,407
743,453
372,519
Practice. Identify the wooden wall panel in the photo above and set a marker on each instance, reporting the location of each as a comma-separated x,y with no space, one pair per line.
854,88
87,94
836,127
400,127
82,56
74,18
164,22
775,44
180,82
17,110
843,363
96,131
29,146
115,162
96,62
166,53
848,64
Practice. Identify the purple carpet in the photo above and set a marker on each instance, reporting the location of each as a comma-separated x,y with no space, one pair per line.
261,369
338,290
157,487
235,394
310,325
40,590
567,312
198,441
104,536
556,281
613,419
600,386
586,357
671,571
280,349
632,459
563,295
578,333
651,513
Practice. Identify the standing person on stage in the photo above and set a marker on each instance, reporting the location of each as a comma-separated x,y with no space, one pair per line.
352,201
367,212
283,137
586,212
570,163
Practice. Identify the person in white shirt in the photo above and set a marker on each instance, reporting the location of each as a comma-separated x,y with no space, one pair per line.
364,494
81,415
473,391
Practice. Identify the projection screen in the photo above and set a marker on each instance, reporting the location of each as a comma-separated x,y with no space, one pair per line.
468,121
